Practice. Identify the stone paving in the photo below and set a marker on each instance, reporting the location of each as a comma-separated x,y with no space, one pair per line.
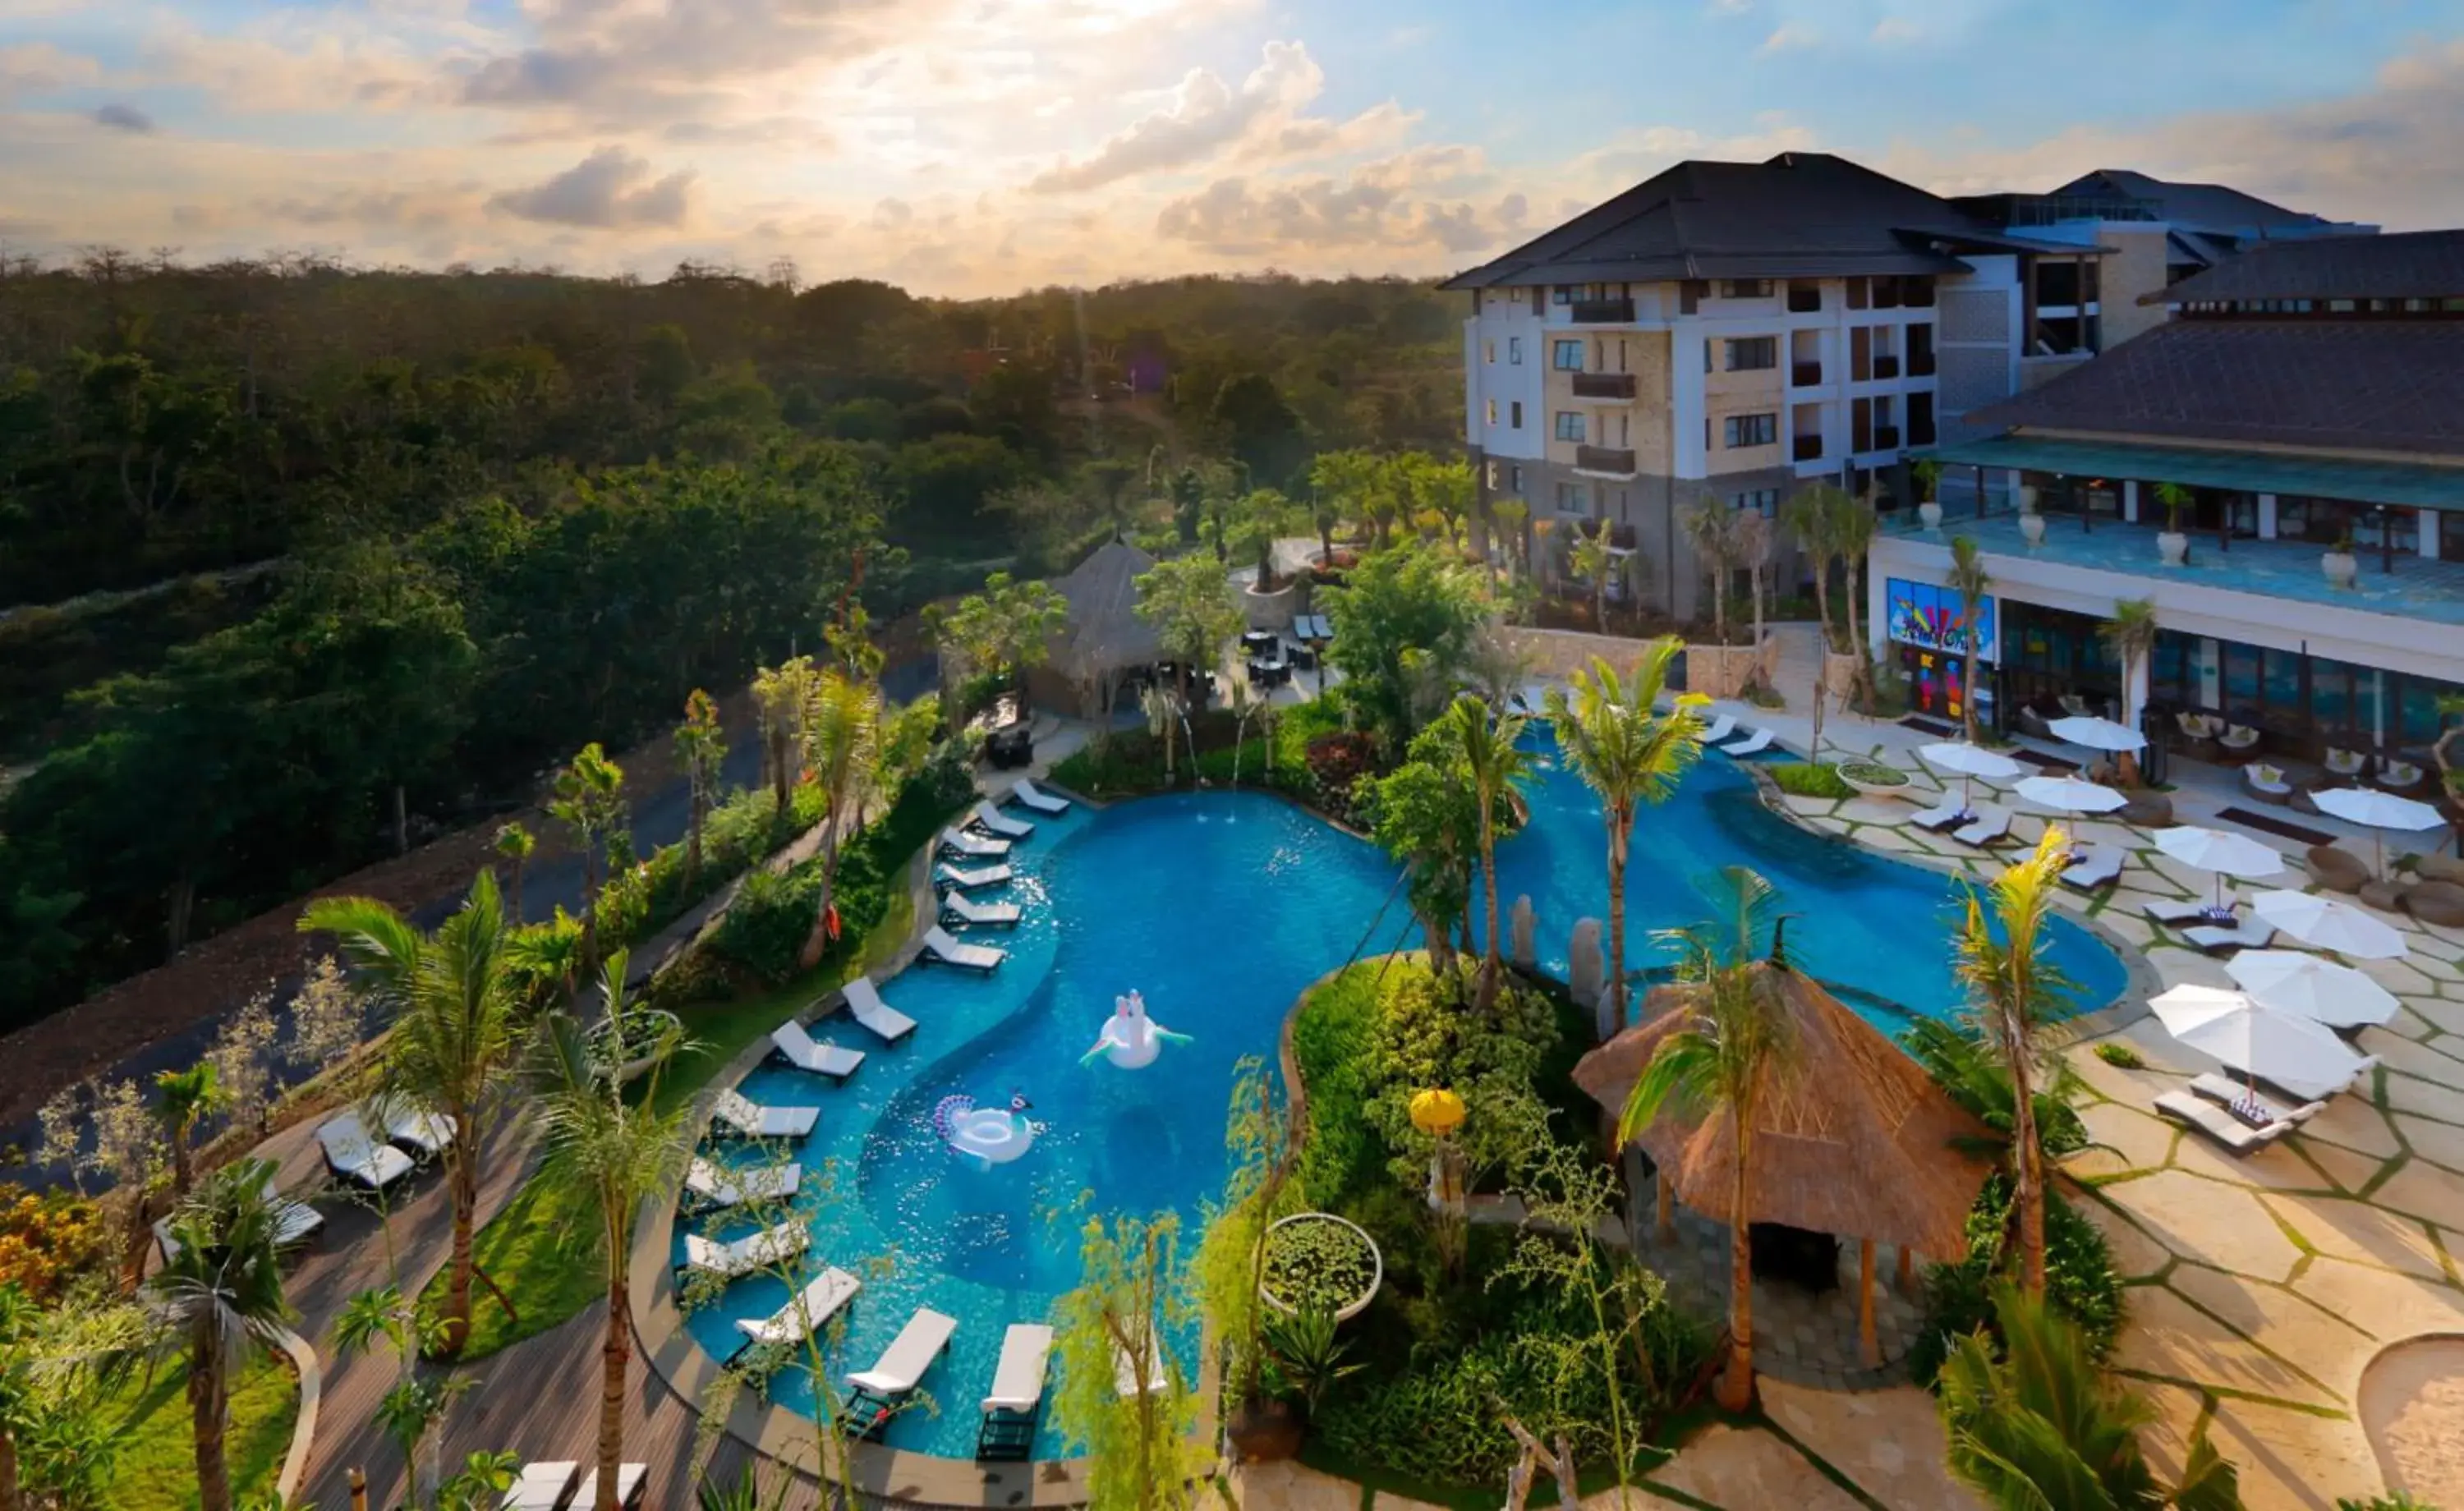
1800,1336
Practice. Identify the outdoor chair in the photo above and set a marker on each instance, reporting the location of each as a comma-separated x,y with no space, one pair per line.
1017,1396
2238,740
2220,1122
878,1391
791,1044
2092,867
2337,869
805,1312
629,1480
2397,775
715,1188
878,1017
2267,783
742,1256
2347,764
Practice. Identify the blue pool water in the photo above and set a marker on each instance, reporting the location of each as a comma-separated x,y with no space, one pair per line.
1220,908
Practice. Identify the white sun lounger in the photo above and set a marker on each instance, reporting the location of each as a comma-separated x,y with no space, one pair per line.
975,879
993,820
294,1222
802,1051
2220,1125
2093,867
1125,1372
1722,727
629,1480
2224,1088
1017,1379
804,1312
414,1129
1941,816
1036,798
2176,912
1992,826
956,908
353,1154
736,1113
2248,933
959,842
717,1188
742,1256
939,946
901,1366
543,1487
865,1005
1753,743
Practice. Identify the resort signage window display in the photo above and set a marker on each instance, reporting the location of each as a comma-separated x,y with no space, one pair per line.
1931,617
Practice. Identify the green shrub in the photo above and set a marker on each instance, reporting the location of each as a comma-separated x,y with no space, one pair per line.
1425,1034
1314,1265
2399,1501
2114,1052
2080,1280
1804,779
1331,1045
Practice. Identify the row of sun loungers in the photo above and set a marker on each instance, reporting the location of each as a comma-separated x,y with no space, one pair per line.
963,879
550,1486
790,1043
941,948
295,1222
993,822
757,1250
956,908
2209,1106
737,1115
715,1188
356,1155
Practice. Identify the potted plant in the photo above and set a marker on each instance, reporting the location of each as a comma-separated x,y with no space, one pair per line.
2341,566
1305,1357
2171,544
1928,476
1873,779
2032,524
1318,1261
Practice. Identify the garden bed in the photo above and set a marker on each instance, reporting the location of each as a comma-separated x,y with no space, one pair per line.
1317,1262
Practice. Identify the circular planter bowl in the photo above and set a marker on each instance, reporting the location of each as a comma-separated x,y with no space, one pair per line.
1377,1265
632,1069
1873,789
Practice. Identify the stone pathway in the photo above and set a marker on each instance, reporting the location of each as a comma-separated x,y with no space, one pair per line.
1799,1336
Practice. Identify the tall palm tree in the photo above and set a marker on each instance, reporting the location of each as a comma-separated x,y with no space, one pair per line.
589,800
619,1151
514,847
782,691
182,1100
1969,579
1710,528
701,749
1749,536
1812,517
217,1298
2130,635
451,1001
841,738
1734,1040
1629,755
1853,532
2041,1427
1488,746
2016,989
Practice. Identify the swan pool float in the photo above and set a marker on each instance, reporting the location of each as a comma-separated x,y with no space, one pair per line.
1131,1040
993,1135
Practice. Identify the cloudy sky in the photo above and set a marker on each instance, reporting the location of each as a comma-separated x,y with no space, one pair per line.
972,146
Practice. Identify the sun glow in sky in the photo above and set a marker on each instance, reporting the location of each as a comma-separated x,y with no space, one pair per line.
980,146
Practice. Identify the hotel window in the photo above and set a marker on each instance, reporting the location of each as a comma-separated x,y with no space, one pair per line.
1514,475
1752,430
1569,425
1763,502
1488,352
1561,295
1515,411
1744,288
1567,357
1571,499
1492,411
1514,351
1754,354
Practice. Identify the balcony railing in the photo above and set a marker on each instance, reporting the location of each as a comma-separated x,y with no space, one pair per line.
1886,367
1804,298
1809,448
1601,311
1603,386
1805,375
1612,460
1887,438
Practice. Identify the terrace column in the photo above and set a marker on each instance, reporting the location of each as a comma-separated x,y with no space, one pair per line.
2134,691
1907,1279
2267,516
2130,499
2425,524
1869,1351
1878,616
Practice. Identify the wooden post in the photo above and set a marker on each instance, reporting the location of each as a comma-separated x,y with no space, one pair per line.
1869,1352
1908,1271
1666,1228
359,1490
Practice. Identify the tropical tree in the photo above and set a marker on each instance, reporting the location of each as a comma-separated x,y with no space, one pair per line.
1612,734
182,1100
2174,497
2130,636
841,736
1969,579
1589,558
1448,488
55,1377
1854,534
1405,624
1162,708
1423,814
1340,483
453,1039
1111,1328
784,692
701,750
2017,990
1710,528
514,847
1812,516
2037,1426
1732,1044
1749,536
1507,517
617,1150
1005,630
1259,519
1189,604
414,1408
215,1301
589,800
1487,745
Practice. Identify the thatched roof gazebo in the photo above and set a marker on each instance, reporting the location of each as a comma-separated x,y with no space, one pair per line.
1853,1138
1103,636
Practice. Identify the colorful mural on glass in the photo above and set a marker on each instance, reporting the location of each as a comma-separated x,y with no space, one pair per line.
1930,616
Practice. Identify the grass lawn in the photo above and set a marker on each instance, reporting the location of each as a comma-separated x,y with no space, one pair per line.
530,1247
157,1466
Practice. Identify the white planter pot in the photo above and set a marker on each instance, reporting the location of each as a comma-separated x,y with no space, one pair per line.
1377,1265
1874,789
2341,568
2032,526
2027,498
1930,514
2173,546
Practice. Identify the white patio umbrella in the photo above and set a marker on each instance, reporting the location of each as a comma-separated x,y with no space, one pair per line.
2310,987
2224,854
2295,1053
2097,734
1969,761
2378,810
2070,795
2328,924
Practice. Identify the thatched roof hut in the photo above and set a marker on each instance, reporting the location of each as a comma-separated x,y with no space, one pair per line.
1103,635
1853,1138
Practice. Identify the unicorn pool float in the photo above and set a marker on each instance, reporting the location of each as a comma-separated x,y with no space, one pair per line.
992,1135
1131,1040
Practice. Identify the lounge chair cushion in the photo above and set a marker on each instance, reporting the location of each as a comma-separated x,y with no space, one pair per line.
2218,1123
2336,868
2440,903
629,1480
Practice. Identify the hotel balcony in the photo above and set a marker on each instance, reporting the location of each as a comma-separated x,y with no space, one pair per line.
1886,367
1603,461
1805,375
1807,448
1887,438
1617,386
1601,311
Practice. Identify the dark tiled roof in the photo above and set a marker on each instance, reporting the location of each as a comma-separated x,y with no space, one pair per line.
2407,265
2379,385
1802,213
2194,207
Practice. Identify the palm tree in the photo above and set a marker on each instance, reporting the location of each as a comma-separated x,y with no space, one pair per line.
1162,708
1969,579
1590,559
1750,537
182,1100
1630,755
2130,635
701,749
1853,533
217,1298
1734,1040
410,1412
619,1150
1811,515
452,1043
841,738
514,847
589,800
1507,517
2041,1427
2001,962
1709,528
782,693
1486,746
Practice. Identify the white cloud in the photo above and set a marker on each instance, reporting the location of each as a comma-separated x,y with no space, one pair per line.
1896,29
604,190
1789,37
124,118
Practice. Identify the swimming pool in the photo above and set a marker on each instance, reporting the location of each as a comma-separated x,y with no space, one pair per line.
1220,908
